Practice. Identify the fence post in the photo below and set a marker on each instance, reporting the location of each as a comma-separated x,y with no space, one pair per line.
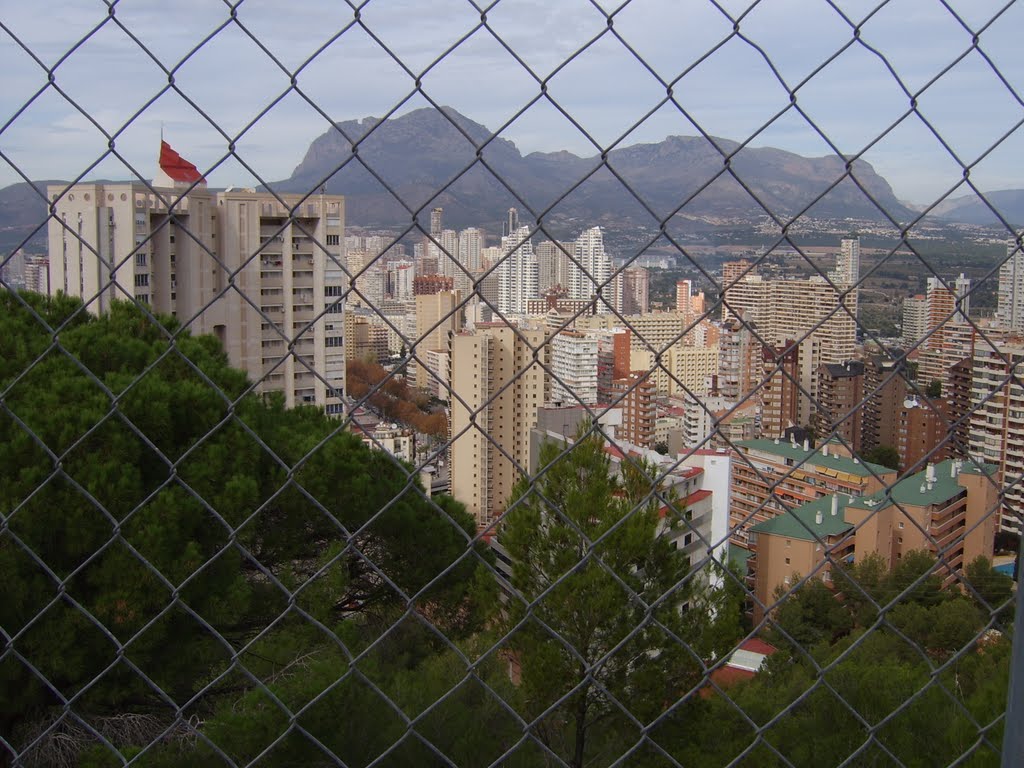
1013,736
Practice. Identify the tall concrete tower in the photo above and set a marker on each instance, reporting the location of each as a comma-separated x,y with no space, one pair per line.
590,270
1010,312
848,262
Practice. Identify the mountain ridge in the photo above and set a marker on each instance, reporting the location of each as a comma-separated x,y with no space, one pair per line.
426,158
425,150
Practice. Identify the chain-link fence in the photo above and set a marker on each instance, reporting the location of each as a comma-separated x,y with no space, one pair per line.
296,475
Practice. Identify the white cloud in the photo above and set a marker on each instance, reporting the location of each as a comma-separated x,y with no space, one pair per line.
732,93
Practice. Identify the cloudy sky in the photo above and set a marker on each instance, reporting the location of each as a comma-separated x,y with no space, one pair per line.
857,91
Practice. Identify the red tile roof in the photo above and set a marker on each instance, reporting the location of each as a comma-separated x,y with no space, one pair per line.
696,496
756,645
725,677
177,167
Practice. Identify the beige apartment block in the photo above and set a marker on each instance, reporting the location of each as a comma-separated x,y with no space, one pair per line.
653,332
948,307
437,315
811,312
262,274
947,509
770,477
997,421
680,369
499,387
810,540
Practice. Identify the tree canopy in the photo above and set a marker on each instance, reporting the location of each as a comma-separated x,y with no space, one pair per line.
600,621
195,575
167,529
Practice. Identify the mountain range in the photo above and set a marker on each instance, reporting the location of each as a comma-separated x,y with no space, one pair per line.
396,169
421,152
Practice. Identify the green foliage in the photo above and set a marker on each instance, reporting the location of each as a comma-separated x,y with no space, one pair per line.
592,556
156,510
811,615
991,590
171,540
885,455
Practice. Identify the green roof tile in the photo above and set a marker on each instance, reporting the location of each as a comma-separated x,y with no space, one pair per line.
801,523
914,490
815,457
739,556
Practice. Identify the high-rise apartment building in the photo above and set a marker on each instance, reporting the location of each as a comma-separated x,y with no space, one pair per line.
517,273
471,244
773,476
449,255
810,312
401,278
840,391
997,421
684,306
885,388
779,392
948,306
553,264
511,222
635,291
635,394
1010,311
847,271
262,274
437,315
574,368
915,319
653,332
500,386
923,433
590,270
734,271
739,361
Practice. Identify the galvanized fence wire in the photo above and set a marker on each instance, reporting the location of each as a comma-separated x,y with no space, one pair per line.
61,732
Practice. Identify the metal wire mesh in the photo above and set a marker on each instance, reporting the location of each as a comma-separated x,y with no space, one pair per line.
199,568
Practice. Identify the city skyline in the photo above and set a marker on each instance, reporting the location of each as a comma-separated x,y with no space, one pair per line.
733,93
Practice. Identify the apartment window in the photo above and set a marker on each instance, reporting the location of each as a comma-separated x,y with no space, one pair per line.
143,297
787,561
335,341
334,240
141,281
140,259
901,525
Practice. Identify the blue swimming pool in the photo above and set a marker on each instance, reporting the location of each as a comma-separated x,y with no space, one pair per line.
1006,568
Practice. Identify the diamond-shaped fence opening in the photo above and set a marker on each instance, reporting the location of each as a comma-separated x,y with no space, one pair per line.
637,386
